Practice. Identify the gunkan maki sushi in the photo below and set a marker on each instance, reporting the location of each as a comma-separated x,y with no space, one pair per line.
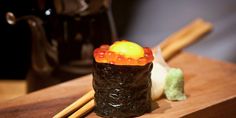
122,79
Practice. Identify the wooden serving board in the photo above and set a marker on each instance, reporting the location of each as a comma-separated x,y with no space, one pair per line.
210,86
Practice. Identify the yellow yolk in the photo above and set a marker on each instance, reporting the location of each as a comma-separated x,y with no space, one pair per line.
128,49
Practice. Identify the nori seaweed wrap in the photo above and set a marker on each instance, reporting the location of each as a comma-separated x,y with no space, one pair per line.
122,90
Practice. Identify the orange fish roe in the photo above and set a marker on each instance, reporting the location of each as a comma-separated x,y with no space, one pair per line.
103,55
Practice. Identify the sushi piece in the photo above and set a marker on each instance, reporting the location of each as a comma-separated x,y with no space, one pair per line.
122,80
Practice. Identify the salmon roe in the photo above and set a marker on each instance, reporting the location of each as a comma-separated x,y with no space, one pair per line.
103,55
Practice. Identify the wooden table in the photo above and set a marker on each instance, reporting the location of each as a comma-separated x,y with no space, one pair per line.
209,84
10,89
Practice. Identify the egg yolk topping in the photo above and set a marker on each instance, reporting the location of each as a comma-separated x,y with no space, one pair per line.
123,53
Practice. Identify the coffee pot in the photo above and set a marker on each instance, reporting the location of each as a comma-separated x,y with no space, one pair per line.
64,34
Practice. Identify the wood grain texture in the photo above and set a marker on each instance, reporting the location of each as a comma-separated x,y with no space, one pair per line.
210,86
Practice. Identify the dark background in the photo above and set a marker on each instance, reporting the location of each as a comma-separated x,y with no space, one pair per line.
15,41
147,22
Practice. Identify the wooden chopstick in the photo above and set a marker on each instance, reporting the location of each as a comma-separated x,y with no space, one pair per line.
169,46
75,105
185,41
181,33
184,31
83,110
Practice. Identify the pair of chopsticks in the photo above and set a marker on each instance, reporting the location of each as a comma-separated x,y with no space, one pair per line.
170,46
184,37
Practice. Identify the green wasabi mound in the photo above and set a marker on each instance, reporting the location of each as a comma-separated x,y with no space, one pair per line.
174,85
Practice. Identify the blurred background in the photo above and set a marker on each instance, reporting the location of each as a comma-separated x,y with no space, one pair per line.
147,22
150,21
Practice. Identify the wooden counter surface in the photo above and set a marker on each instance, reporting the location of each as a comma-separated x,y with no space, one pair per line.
209,84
